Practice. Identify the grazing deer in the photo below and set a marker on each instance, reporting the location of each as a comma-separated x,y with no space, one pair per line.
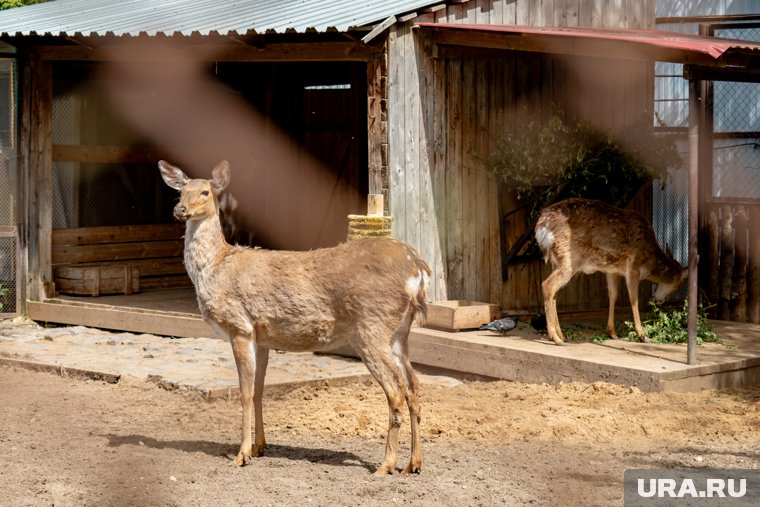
366,293
590,236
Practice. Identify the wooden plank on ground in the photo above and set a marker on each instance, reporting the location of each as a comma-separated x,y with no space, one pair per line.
120,319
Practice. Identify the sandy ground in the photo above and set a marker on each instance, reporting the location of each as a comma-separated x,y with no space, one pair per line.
66,441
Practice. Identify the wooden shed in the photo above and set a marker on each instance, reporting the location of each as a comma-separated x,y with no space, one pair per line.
314,108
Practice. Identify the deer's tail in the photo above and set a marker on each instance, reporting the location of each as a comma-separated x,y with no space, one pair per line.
417,289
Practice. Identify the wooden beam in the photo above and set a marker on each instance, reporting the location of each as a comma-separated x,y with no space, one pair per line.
390,21
105,154
736,74
619,50
376,138
117,234
160,52
40,179
74,254
23,179
433,8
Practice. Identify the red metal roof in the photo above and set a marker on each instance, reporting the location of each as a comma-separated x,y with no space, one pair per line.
601,42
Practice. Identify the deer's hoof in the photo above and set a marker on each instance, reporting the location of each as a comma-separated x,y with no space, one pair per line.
258,450
242,456
559,341
644,339
412,468
383,471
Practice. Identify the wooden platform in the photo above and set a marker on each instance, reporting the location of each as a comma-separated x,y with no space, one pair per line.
523,355
527,357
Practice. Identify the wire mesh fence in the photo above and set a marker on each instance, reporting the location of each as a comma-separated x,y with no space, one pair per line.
101,194
736,113
8,273
736,168
735,146
8,187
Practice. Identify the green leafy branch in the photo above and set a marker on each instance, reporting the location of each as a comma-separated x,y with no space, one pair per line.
663,326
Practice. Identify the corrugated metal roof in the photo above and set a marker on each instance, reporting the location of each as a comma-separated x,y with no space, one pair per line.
613,43
171,17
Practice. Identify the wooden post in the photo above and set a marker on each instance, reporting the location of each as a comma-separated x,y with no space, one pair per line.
40,179
694,113
375,205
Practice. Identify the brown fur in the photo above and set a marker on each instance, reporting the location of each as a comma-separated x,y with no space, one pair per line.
589,236
365,293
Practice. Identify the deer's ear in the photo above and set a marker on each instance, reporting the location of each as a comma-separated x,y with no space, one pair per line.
220,177
172,175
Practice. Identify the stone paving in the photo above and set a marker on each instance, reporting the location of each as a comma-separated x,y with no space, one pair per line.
204,365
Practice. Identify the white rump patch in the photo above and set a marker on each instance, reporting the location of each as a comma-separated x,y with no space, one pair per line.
413,283
544,238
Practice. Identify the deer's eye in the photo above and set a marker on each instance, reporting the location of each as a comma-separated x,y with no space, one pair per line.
204,193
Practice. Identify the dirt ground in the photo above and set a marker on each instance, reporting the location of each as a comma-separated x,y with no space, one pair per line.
67,441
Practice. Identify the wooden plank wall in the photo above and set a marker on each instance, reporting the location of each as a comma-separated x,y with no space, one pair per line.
444,114
731,260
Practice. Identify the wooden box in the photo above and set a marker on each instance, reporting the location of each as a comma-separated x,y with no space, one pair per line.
97,279
460,314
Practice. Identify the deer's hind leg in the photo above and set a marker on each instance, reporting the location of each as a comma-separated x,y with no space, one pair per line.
400,350
379,359
554,282
262,360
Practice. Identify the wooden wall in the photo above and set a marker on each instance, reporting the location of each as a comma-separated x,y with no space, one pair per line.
445,113
730,264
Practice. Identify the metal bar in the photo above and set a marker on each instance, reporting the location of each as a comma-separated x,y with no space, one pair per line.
694,102
703,19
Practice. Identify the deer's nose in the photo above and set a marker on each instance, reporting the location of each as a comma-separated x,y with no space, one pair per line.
180,212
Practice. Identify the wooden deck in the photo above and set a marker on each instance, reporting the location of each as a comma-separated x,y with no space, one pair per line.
523,355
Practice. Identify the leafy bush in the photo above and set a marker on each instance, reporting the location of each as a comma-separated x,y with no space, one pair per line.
543,158
10,4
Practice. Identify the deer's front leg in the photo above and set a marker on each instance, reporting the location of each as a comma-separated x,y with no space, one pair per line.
243,349
612,293
262,360
632,282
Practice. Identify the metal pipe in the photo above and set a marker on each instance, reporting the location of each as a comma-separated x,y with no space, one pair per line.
694,116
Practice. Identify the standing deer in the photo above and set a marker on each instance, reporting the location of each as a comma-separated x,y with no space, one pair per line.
366,293
590,236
